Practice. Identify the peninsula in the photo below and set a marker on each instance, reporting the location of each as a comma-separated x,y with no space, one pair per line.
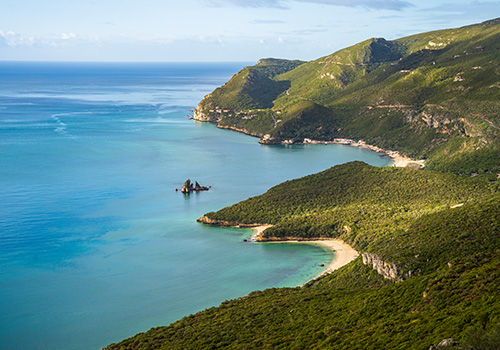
432,96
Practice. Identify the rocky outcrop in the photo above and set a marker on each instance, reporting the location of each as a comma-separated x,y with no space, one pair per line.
209,221
200,115
388,270
446,343
243,131
189,187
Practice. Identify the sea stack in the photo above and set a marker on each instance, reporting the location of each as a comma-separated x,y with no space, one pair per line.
189,187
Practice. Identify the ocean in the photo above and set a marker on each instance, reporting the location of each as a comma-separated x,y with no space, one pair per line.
95,243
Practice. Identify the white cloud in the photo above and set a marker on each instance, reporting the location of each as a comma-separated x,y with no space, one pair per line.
370,4
267,21
65,36
246,3
18,41
13,39
209,39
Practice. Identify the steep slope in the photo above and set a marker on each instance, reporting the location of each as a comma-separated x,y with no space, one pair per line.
434,96
446,257
324,79
251,88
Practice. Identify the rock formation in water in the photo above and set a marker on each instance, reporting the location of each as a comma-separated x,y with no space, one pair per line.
189,187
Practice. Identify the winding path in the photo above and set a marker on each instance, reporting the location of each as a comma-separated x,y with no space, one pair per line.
480,116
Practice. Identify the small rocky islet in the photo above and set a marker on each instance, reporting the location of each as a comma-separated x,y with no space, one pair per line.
189,187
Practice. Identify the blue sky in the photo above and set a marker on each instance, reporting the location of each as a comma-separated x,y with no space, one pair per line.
216,30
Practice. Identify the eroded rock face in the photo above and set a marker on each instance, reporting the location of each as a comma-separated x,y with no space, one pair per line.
187,187
388,270
206,220
201,116
446,343
198,187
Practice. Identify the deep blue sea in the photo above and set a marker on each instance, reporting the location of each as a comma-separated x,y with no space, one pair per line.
95,243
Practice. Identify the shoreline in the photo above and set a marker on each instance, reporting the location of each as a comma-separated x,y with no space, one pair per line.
399,160
343,253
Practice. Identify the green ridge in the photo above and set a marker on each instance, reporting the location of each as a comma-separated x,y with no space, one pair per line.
354,201
434,96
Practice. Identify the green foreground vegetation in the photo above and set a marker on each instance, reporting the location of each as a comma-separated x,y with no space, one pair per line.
434,95
442,230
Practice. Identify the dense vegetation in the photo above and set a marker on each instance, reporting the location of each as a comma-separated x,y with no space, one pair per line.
354,201
454,254
253,87
434,96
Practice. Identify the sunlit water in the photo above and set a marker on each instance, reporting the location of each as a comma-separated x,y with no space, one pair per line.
95,243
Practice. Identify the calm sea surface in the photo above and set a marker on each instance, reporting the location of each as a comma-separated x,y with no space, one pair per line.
95,244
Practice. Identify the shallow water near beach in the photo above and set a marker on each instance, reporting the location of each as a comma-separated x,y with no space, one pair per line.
95,243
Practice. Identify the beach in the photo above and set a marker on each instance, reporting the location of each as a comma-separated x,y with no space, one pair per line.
343,253
399,160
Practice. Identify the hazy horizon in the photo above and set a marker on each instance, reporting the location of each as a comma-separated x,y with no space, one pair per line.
216,30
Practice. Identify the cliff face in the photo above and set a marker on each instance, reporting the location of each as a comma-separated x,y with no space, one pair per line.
201,116
389,270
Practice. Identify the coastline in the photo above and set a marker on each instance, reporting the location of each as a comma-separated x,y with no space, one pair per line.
343,253
399,160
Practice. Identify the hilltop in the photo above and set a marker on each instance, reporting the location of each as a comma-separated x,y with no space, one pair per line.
432,96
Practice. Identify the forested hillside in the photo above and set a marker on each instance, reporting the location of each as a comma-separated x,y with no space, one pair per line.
440,233
434,96
354,201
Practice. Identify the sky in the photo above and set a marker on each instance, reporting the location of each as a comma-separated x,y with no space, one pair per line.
216,30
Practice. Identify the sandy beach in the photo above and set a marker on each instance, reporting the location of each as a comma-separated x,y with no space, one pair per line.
257,231
343,253
405,162
399,160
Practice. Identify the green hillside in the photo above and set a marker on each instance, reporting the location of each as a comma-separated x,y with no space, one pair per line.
447,259
434,96
252,88
355,202
429,240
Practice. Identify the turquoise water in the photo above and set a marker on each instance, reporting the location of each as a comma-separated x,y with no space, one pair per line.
95,244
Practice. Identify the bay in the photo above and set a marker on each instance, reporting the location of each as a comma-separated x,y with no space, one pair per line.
95,243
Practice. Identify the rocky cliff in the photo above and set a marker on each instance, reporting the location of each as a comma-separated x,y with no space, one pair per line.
387,269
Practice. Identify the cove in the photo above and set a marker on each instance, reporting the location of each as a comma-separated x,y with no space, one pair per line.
96,245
